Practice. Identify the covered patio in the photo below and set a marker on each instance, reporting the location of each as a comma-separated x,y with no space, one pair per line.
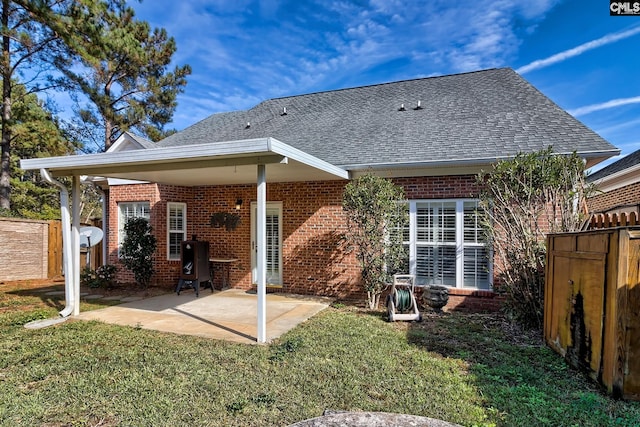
253,161
228,315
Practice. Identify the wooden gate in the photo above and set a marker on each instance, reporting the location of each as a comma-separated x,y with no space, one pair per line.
592,297
54,259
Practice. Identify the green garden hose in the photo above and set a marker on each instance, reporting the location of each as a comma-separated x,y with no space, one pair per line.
403,300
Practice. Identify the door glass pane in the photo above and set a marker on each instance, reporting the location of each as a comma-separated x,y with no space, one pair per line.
273,249
273,244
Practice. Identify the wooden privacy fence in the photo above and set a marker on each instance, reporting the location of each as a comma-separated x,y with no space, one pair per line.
32,249
591,305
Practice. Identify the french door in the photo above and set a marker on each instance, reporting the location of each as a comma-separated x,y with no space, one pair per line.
273,237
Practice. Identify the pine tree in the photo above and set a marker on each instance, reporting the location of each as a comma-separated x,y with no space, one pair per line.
38,135
124,76
26,47
106,57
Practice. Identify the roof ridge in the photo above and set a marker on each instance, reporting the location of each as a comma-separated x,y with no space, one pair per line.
384,84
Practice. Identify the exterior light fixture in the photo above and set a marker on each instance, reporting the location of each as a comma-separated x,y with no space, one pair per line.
238,204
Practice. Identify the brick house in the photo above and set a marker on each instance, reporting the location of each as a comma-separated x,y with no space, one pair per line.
283,164
618,186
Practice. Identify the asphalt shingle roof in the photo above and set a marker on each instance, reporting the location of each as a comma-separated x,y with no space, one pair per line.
463,117
140,140
622,164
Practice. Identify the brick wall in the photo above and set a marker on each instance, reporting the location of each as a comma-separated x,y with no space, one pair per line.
623,196
24,249
315,256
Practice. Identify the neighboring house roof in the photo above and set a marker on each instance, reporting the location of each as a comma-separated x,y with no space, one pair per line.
626,162
465,118
625,171
130,141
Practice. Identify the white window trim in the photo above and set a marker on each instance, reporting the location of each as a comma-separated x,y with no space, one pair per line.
459,240
183,206
121,219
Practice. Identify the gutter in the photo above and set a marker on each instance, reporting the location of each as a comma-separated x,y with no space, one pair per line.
66,244
480,161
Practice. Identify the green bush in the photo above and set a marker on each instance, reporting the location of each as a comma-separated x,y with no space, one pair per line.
524,199
376,221
102,277
137,250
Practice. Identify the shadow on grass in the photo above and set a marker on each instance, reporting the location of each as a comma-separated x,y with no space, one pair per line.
49,295
521,380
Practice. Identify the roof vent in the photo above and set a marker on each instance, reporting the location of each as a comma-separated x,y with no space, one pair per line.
418,106
284,111
402,108
248,125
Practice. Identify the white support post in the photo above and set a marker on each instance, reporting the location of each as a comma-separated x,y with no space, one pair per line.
75,239
261,261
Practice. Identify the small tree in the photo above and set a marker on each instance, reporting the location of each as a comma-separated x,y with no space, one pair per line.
137,250
523,200
375,225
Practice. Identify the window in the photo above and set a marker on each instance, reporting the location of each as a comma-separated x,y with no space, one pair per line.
130,210
176,228
446,244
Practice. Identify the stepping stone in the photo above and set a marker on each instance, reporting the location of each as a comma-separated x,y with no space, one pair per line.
114,298
55,293
94,296
129,299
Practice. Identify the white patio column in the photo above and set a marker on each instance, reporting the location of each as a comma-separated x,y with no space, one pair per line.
75,241
261,257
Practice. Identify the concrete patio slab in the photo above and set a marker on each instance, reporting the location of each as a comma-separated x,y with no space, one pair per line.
229,315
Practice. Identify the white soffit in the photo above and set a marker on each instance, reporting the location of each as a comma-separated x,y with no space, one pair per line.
220,163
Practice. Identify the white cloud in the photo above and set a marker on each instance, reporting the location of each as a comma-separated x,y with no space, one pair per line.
604,105
570,53
239,58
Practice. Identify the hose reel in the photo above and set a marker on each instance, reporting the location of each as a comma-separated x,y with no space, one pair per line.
401,302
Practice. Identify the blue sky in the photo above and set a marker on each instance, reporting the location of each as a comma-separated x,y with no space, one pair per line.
245,51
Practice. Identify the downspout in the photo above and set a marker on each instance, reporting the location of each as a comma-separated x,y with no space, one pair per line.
103,196
67,255
75,242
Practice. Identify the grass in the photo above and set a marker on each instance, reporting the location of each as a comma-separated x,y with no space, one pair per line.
475,370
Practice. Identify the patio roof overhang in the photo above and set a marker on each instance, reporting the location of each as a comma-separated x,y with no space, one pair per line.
218,163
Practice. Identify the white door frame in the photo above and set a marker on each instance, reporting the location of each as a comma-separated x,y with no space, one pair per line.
271,208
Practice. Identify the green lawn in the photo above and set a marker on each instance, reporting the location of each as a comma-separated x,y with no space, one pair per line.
467,369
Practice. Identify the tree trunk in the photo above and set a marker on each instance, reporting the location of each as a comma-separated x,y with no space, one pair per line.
373,299
5,159
108,124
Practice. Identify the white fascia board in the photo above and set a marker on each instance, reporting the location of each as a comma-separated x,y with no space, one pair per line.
292,153
154,155
167,155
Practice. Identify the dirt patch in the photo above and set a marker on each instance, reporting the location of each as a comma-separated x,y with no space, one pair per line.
445,324
54,289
